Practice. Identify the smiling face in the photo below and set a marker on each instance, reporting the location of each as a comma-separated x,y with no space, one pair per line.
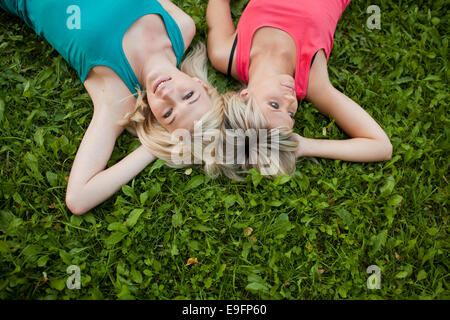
178,100
276,99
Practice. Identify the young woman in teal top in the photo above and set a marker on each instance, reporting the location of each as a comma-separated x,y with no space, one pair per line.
126,54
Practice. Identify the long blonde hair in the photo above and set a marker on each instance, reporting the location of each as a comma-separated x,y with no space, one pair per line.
229,111
158,141
280,143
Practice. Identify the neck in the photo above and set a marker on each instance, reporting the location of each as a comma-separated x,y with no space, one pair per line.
153,66
270,63
151,59
147,49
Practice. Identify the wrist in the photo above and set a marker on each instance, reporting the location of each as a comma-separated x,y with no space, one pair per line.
301,142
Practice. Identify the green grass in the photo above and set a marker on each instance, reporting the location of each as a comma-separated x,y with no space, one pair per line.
312,236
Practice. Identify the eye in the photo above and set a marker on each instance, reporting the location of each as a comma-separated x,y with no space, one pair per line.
274,105
291,114
167,114
189,95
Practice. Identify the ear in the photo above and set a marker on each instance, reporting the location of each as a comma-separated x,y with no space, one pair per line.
244,94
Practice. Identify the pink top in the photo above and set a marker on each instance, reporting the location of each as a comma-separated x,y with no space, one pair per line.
311,23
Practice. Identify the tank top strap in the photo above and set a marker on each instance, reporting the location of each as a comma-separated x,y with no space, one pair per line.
98,37
119,61
311,24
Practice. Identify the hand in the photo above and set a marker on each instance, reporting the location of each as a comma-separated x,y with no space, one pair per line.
301,144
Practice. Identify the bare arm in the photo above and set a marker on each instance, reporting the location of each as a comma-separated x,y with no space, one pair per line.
221,33
89,182
368,141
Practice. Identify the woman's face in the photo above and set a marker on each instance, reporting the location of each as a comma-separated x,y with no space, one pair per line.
276,99
177,100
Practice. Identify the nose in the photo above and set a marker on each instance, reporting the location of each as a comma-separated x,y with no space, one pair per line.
290,98
167,93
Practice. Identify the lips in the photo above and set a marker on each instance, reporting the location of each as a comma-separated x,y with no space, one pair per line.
159,83
288,85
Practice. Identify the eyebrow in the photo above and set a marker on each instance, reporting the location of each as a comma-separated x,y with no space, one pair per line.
277,110
274,110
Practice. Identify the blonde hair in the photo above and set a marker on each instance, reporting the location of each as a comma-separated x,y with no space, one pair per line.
158,141
280,143
229,111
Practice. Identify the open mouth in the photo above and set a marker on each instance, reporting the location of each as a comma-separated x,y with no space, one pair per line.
160,83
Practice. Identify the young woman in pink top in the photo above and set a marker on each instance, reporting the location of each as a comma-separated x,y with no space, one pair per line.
280,51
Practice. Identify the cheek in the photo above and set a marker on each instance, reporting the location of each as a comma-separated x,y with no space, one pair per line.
157,118
155,106
206,106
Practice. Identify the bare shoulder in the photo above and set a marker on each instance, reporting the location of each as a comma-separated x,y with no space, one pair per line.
109,93
320,91
183,20
219,51
318,77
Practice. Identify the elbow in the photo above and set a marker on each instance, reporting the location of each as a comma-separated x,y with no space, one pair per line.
210,50
387,150
74,204
216,57
190,28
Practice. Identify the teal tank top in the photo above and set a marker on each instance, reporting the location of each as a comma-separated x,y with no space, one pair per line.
89,33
